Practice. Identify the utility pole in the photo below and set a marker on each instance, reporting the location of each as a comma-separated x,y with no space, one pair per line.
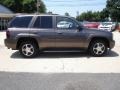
38,6
118,4
77,13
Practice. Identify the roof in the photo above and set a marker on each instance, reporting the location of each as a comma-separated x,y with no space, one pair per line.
3,9
20,15
3,15
41,14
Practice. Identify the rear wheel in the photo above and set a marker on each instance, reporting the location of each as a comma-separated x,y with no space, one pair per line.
98,48
28,49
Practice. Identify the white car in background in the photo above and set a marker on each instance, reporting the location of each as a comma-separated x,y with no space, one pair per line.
108,26
64,24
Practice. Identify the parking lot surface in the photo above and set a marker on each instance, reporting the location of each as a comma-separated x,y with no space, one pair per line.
61,81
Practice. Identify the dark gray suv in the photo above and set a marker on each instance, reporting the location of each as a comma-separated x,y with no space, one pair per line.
31,33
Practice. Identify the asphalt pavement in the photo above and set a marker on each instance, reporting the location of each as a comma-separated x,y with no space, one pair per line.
63,81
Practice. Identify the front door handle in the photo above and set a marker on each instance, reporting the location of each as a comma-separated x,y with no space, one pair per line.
35,32
59,32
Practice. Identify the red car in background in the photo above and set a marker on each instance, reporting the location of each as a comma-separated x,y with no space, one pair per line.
92,25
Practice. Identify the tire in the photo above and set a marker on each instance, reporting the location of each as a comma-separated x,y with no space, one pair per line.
28,49
98,48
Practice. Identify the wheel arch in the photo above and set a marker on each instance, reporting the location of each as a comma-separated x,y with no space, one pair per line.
99,38
23,39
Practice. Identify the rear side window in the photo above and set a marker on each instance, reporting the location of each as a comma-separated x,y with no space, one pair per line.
37,23
43,22
20,22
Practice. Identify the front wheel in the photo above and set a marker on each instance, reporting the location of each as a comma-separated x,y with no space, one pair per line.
98,48
28,49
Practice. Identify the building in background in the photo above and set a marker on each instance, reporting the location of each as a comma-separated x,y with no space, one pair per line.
5,17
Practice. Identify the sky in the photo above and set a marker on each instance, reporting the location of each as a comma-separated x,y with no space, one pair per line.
74,6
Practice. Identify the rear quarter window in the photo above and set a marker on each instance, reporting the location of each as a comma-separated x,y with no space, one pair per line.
20,22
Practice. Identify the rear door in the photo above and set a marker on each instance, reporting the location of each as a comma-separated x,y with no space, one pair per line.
43,29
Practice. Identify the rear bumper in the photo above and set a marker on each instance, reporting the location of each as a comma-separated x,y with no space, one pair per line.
112,44
10,43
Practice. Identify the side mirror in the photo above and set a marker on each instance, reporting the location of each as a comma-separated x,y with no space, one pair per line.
79,28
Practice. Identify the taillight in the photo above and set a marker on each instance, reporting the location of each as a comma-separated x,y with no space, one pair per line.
7,34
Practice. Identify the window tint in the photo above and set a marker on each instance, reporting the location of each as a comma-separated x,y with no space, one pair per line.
65,23
46,22
22,22
43,22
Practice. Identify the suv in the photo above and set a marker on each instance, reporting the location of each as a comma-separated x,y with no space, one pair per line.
31,33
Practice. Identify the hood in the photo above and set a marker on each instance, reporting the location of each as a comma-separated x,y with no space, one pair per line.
96,31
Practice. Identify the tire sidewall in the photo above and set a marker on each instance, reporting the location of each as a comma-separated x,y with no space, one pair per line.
92,45
34,46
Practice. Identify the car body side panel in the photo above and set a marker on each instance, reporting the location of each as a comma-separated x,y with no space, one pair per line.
45,37
70,38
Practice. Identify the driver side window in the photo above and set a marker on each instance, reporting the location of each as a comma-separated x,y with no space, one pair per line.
65,23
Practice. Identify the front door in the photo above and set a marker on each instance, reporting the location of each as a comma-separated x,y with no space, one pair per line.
67,34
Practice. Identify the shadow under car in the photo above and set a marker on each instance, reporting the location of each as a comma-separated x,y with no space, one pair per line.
64,54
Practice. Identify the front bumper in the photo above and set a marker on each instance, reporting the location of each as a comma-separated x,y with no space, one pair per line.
112,44
10,43
106,29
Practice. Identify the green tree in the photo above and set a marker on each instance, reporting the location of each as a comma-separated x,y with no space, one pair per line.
89,16
23,6
67,14
113,9
104,15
